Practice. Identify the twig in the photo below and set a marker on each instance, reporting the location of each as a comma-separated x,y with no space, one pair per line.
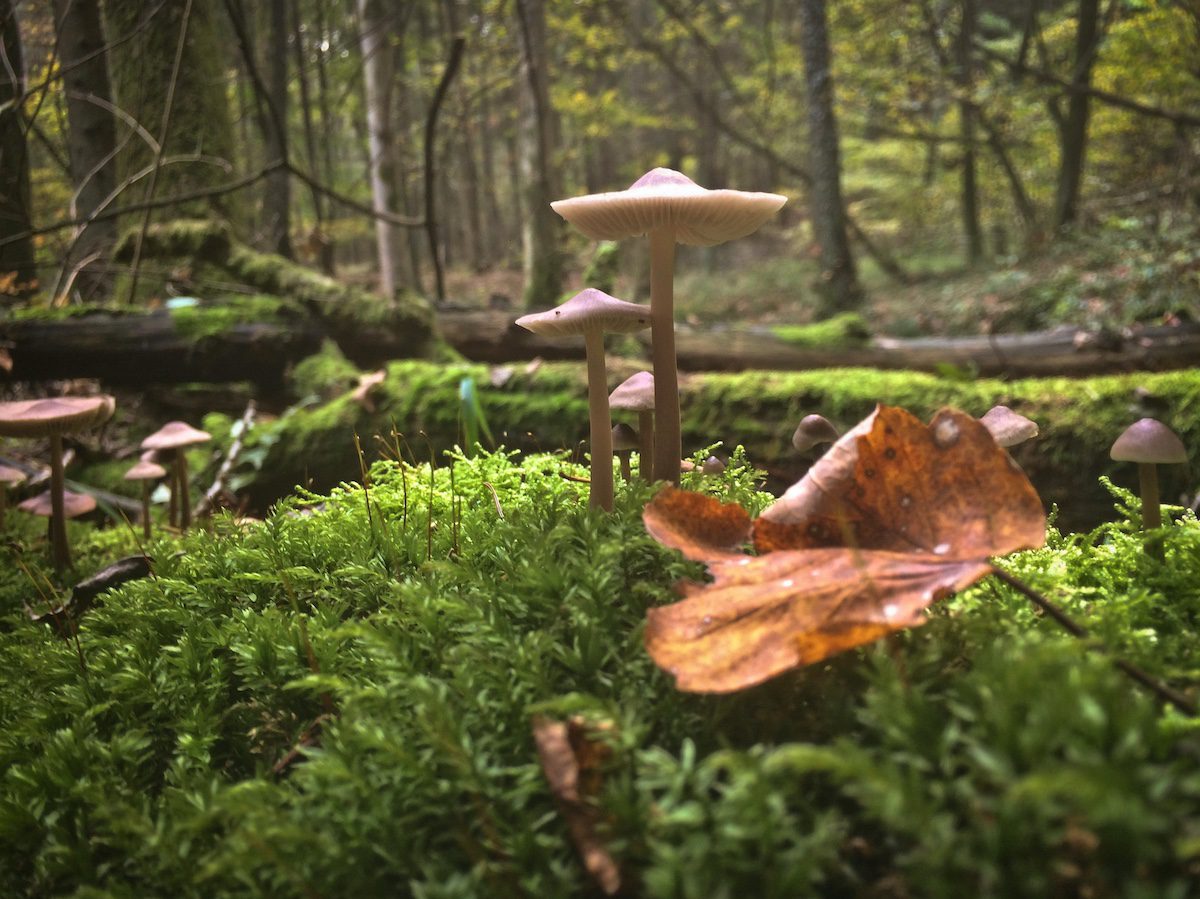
164,130
1075,629
208,501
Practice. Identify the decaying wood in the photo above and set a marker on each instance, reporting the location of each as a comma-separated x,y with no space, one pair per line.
147,348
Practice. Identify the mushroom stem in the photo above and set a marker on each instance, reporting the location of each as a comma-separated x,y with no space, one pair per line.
600,422
60,549
185,502
173,492
668,444
146,508
646,449
626,471
1151,512
601,493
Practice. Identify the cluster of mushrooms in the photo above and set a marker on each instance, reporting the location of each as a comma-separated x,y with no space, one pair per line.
669,208
53,418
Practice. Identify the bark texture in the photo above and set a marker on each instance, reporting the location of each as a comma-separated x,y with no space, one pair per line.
18,276
1074,127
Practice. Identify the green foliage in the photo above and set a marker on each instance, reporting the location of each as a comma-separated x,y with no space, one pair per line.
847,329
432,612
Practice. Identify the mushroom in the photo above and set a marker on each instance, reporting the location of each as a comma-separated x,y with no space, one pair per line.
713,465
636,394
1008,428
9,477
624,442
145,471
170,441
52,418
591,313
812,430
72,506
670,208
1149,443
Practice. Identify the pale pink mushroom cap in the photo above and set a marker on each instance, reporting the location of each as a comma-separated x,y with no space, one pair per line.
1008,428
174,435
11,476
74,504
664,197
634,394
588,310
145,470
1148,440
54,415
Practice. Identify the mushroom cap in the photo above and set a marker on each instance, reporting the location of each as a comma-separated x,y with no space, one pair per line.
713,465
624,438
74,504
588,310
1148,440
145,470
175,434
1008,428
813,429
11,476
665,197
54,415
635,393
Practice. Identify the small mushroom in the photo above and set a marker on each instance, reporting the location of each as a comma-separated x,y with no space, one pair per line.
624,441
593,313
1008,428
52,418
1149,443
171,442
669,208
145,471
71,504
9,478
636,394
813,430
713,465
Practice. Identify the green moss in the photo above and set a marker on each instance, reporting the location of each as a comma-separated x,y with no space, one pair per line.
849,329
61,313
205,320
325,374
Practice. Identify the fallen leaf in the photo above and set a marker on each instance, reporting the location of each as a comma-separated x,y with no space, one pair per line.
894,517
572,759
367,386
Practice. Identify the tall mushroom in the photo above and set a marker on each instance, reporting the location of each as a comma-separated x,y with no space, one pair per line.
1149,443
670,208
593,313
636,394
73,505
171,441
53,418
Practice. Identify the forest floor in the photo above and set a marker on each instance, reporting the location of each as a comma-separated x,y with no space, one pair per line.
1123,273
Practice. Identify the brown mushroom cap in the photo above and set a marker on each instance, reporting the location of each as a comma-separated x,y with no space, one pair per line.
663,197
145,470
635,393
1148,440
813,429
1008,428
175,435
11,476
590,309
54,415
74,504
624,438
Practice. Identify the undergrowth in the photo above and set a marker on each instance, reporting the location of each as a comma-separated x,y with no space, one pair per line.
400,637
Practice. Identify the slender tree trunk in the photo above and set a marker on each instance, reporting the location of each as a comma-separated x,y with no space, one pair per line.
318,239
1075,124
378,73
277,198
18,276
839,282
966,114
537,138
91,135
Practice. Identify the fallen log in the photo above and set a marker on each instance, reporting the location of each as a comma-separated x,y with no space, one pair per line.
152,347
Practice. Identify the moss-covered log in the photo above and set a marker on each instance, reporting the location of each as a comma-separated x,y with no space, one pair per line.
547,408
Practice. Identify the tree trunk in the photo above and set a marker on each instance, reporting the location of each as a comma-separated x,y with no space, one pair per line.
91,137
538,147
143,41
1073,132
277,198
966,114
318,240
18,276
377,80
839,283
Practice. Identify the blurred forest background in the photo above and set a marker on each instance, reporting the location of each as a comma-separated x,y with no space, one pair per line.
995,165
